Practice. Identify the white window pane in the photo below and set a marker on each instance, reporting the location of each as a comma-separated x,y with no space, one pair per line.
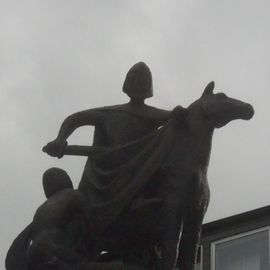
250,252
198,266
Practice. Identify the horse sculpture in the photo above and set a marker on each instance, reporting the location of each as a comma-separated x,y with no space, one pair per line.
176,197
184,187
181,180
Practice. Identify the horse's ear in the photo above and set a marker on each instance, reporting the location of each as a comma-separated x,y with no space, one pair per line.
209,89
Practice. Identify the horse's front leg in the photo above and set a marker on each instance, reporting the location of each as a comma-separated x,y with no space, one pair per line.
173,226
173,221
189,243
191,236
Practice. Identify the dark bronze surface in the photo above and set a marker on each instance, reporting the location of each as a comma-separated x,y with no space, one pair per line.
144,190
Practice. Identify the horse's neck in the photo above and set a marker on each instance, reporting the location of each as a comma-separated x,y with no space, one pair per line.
201,135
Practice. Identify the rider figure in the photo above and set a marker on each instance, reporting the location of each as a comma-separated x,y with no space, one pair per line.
119,124
115,126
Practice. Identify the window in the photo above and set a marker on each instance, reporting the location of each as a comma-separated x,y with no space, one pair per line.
248,251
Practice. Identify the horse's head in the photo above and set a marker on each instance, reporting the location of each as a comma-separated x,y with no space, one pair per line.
219,109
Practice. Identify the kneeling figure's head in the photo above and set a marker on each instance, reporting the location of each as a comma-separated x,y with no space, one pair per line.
54,180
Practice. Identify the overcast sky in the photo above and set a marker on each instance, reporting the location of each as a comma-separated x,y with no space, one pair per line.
58,57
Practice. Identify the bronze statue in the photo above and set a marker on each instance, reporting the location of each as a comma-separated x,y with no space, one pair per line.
145,182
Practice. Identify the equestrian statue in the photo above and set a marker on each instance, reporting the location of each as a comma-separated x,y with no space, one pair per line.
144,190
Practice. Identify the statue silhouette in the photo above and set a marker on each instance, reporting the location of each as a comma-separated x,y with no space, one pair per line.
144,186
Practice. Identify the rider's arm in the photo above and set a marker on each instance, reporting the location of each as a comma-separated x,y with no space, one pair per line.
159,116
72,122
163,116
88,117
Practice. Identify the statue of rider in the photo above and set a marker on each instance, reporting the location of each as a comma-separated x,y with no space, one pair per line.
115,125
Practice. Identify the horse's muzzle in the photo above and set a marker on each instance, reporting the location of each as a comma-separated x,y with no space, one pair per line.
249,112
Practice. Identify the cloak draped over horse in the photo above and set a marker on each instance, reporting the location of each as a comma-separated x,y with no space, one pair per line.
114,177
134,148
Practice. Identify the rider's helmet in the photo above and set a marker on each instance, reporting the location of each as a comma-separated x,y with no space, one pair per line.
138,82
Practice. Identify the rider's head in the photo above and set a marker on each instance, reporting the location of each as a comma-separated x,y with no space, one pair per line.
55,179
138,83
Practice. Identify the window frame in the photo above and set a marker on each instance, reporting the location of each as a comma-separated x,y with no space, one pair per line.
233,237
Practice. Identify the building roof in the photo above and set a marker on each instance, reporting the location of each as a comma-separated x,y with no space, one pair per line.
259,215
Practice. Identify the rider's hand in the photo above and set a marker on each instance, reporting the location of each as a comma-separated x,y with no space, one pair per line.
55,148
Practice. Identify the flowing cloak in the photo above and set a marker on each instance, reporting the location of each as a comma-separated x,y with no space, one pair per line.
114,177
